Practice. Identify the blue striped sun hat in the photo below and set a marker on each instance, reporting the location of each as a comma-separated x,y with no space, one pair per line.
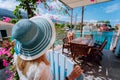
35,36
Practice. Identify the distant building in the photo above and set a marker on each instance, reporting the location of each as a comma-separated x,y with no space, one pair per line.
5,29
117,26
96,26
58,21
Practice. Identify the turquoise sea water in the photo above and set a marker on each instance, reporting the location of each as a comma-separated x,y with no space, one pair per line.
100,36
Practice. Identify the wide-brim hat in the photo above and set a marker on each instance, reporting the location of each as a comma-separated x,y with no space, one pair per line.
34,36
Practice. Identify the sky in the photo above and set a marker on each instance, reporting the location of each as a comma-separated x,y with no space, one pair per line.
103,11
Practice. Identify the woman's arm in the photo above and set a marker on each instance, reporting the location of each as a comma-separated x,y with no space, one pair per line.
112,48
118,34
77,71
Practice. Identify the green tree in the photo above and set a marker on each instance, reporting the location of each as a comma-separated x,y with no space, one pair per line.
68,24
27,5
0,19
107,22
14,20
101,21
30,7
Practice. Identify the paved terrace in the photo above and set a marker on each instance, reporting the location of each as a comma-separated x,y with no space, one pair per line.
110,69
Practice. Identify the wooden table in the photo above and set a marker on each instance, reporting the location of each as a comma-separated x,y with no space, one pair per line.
84,41
81,47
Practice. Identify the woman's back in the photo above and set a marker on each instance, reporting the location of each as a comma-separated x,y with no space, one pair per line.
35,71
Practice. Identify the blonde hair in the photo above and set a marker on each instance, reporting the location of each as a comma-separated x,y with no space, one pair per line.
23,65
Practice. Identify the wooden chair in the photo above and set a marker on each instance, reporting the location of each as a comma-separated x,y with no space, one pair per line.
98,44
96,52
79,52
65,45
100,47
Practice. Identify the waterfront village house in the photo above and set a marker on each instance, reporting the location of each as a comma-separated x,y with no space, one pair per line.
5,30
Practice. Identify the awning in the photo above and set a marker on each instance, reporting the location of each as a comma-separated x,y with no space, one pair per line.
78,3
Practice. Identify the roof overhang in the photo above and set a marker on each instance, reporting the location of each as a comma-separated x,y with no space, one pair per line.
79,3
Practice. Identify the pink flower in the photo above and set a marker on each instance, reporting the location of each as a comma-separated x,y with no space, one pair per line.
8,54
50,8
7,71
6,19
38,2
4,51
1,53
8,79
51,17
38,15
6,44
5,63
11,77
92,0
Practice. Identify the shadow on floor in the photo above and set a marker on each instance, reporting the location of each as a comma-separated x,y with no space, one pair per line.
109,69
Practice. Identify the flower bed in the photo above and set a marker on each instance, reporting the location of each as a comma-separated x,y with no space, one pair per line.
6,59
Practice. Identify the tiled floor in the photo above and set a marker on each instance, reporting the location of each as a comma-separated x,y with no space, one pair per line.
109,69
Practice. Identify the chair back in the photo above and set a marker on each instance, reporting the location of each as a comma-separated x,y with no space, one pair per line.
103,45
65,40
79,50
71,38
66,45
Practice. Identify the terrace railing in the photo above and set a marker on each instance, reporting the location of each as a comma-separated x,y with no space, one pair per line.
61,66
100,36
